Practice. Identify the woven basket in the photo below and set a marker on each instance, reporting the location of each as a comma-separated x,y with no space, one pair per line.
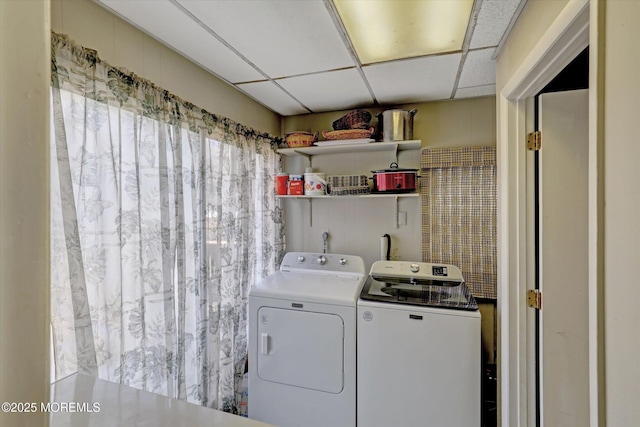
348,134
300,139
357,119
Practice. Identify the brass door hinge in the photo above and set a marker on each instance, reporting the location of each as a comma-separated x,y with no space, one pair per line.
534,141
534,298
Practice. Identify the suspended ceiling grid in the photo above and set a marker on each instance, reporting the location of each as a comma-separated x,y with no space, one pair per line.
294,57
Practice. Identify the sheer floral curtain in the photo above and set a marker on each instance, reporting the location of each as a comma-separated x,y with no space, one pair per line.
162,218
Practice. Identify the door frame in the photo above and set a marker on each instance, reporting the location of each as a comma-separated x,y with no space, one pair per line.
574,29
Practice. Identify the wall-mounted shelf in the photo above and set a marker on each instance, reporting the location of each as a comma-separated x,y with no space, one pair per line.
347,146
395,196
351,148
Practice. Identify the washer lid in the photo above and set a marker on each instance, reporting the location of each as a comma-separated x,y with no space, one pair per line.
455,297
418,283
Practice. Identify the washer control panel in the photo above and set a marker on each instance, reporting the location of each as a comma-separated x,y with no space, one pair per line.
417,270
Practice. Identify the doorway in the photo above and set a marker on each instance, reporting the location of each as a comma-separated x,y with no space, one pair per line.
558,245
564,39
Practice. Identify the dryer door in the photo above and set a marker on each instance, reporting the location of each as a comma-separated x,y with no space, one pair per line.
301,348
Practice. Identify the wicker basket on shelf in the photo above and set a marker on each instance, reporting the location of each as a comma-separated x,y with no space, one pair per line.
356,119
347,134
300,139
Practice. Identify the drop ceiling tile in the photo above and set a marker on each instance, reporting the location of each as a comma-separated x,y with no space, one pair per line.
413,80
168,24
475,91
478,69
273,97
281,37
332,90
493,20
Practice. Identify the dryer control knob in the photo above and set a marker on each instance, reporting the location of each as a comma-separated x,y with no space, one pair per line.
414,268
342,261
300,258
321,260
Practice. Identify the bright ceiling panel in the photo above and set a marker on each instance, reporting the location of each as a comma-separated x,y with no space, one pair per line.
478,69
167,23
414,80
281,37
269,94
335,90
385,30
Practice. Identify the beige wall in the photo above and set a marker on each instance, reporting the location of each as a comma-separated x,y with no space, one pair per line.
122,45
24,208
535,19
515,333
457,123
615,101
355,225
622,204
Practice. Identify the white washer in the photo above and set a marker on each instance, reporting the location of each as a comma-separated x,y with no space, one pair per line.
302,342
419,354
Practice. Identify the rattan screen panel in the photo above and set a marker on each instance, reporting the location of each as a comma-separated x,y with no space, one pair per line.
458,192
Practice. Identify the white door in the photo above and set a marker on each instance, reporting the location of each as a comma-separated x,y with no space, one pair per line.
301,348
563,256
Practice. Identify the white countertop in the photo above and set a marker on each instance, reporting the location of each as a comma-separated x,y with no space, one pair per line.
75,398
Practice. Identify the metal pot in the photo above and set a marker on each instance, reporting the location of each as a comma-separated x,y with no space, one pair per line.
397,125
394,180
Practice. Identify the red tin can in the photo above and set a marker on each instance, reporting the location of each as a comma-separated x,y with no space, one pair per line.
282,182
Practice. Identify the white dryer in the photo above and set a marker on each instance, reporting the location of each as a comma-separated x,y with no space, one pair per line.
302,341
